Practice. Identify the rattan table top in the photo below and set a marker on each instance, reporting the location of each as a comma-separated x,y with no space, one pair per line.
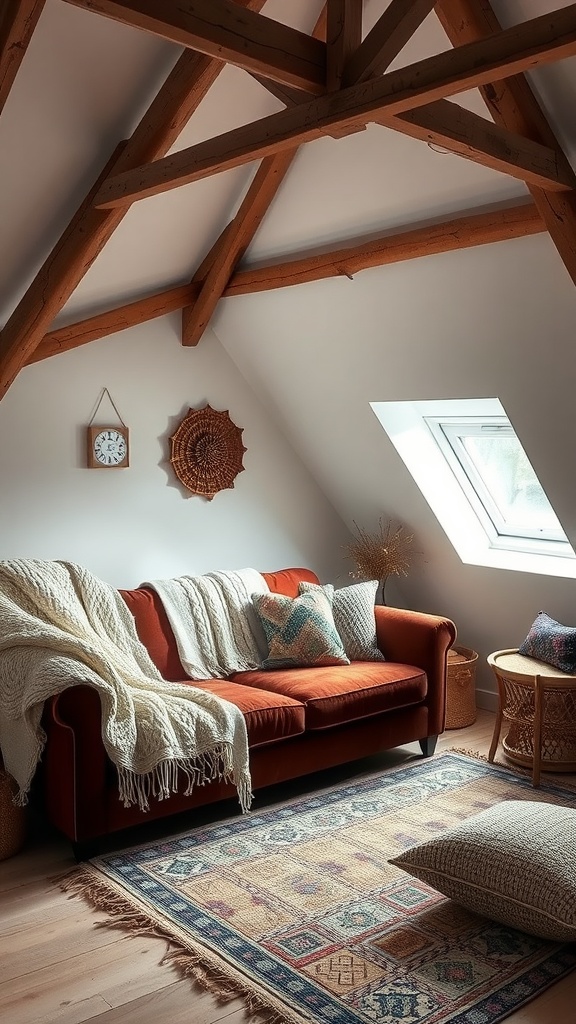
512,661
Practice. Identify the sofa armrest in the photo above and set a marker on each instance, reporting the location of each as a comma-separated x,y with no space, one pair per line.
417,638
75,763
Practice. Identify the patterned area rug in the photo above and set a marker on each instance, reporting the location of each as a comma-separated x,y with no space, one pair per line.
296,907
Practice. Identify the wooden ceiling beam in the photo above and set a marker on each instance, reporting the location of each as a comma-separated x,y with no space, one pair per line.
266,182
18,19
385,40
214,273
284,93
515,221
90,229
539,41
459,233
131,314
343,37
461,131
514,106
226,31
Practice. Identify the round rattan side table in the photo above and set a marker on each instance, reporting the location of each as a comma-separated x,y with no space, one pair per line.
538,703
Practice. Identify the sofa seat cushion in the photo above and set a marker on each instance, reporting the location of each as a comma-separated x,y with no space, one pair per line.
336,694
270,716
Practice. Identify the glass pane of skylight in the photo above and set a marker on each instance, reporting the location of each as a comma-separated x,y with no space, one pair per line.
495,472
502,464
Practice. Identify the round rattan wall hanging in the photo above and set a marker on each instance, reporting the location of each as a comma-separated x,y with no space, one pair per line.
207,451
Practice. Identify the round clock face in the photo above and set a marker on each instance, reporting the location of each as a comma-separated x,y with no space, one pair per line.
110,447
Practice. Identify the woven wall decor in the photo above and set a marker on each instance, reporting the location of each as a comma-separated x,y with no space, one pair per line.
207,451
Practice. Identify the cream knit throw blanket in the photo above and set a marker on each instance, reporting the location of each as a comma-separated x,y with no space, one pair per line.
59,626
216,629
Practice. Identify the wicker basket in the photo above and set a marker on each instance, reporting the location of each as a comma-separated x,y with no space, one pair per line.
12,818
460,687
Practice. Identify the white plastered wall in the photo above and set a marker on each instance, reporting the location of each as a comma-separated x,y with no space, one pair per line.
140,523
496,321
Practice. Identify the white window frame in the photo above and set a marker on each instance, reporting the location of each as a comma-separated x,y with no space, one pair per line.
448,432
413,428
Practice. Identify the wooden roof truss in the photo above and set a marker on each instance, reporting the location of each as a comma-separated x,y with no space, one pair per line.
333,82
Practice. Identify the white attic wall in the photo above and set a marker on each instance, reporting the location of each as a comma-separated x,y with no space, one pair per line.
492,321
140,523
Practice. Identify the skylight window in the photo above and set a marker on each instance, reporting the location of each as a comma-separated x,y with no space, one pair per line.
472,468
493,469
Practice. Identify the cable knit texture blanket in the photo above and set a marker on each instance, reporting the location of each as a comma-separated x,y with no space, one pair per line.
60,626
215,626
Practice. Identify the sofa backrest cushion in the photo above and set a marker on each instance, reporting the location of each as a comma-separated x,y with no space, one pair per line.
156,633
287,581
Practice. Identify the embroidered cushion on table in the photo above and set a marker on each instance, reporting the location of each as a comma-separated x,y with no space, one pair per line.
551,642
299,631
353,611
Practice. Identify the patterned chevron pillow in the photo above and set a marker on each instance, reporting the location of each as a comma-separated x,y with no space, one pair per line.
353,610
299,631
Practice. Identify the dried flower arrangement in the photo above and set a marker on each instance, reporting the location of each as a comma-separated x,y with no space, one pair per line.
388,552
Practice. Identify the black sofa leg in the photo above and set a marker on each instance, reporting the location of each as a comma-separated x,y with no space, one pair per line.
85,850
428,745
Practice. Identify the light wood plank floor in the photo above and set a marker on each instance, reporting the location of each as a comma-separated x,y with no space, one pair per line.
56,966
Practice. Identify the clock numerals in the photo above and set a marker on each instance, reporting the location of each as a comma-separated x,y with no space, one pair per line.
107,447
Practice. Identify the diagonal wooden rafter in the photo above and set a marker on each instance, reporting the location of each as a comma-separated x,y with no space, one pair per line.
224,30
465,231
266,182
511,103
90,229
385,40
528,45
469,135
514,106
341,22
447,124
442,123
512,221
18,19
239,233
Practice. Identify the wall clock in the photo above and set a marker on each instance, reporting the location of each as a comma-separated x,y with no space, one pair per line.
108,447
207,451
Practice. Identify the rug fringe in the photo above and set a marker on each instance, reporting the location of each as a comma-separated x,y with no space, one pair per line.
190,964
516,769
190,961
471,753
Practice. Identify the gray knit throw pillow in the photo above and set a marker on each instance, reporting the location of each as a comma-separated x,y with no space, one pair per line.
515,863
353,611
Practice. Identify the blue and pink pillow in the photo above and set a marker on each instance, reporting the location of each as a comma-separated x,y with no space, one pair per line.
551,642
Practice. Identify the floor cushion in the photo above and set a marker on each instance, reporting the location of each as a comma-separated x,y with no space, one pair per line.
515,863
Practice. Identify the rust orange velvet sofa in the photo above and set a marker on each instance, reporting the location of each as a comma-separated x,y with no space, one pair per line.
299,720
